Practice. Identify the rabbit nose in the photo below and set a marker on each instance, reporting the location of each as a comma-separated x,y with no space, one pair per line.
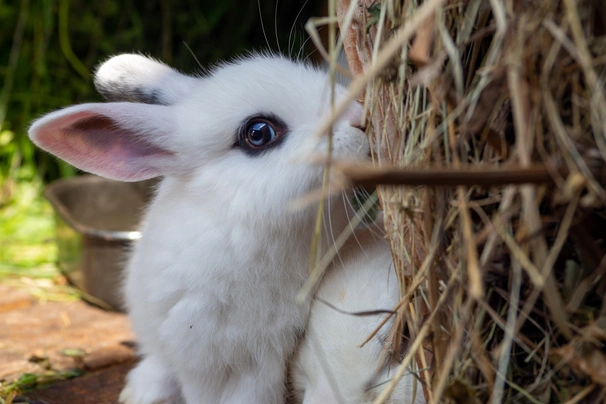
353,115
361,127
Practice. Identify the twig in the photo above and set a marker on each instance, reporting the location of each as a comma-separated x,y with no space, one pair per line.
393,46
416,345
319,268
518,88
538,287
497,395
367,175
454,348
476,289
418,279
582,394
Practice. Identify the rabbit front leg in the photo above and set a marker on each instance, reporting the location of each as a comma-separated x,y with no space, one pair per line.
265,384
262,385
150,383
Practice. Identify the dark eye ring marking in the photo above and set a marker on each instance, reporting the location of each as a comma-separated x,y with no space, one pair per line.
260,133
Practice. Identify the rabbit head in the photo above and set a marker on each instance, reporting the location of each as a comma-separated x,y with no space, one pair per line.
246,123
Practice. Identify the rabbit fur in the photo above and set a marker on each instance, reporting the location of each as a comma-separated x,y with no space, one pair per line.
210,287
329,366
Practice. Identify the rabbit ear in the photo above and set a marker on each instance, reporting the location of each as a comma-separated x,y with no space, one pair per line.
122,141
135,78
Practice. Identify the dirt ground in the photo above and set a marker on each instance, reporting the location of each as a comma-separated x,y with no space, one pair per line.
57,340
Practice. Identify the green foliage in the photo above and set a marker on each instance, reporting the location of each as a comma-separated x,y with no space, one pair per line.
30,381
27,245
48,48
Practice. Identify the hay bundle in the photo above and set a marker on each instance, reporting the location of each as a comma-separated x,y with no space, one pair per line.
488,121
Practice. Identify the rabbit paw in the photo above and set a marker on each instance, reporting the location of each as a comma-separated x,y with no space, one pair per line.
150,383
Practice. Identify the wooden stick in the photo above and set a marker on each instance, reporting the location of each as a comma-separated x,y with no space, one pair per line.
367,175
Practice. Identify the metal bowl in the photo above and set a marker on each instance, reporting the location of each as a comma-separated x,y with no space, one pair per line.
96,224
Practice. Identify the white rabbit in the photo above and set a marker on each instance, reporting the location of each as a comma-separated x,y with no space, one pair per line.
329,367
210,287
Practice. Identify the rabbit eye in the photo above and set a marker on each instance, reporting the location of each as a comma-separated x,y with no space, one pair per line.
260,133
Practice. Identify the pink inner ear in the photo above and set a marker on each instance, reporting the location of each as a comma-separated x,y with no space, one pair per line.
98,144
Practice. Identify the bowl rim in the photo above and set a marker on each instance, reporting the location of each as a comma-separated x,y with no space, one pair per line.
55,187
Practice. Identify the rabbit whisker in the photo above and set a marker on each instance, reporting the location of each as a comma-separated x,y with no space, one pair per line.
193,55
291,45
276,25
302,48
262,25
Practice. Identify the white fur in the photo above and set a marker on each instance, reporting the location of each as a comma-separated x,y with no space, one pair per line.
329,367
162,387
132,76
210,287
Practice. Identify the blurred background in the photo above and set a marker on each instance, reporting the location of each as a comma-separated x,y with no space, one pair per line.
48,50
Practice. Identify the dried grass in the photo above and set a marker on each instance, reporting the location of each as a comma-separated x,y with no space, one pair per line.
502,274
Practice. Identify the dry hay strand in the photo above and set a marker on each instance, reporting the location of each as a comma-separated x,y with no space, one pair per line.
501,274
